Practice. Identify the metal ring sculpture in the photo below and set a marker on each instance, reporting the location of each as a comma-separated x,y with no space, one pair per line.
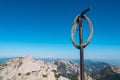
76,21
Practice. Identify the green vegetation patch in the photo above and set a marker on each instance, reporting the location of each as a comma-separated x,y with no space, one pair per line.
44,75
57,75
28,73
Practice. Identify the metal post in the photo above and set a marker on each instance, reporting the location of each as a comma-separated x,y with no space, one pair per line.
82,45
81,50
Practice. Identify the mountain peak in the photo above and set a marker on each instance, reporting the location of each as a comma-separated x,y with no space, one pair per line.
26,68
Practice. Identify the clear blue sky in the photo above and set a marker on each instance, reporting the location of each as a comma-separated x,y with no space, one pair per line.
43,28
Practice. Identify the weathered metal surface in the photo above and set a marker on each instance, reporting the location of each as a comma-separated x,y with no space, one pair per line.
74,28
81,46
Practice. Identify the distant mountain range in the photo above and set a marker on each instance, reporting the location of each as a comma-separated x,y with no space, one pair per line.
27,68
87,61
4,59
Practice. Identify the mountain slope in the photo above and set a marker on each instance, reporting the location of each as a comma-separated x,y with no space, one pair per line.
70,70
25,68
95,67
108,73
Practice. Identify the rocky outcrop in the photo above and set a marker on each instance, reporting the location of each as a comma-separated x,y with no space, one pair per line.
26,68
70,70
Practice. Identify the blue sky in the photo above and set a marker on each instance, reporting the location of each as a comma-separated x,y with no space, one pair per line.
43,28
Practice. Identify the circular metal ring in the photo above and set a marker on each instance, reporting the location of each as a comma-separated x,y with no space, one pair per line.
76,21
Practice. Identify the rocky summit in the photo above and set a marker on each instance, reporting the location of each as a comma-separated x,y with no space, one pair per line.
26,68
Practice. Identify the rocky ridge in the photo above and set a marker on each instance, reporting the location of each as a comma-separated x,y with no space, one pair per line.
26,68
69,70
